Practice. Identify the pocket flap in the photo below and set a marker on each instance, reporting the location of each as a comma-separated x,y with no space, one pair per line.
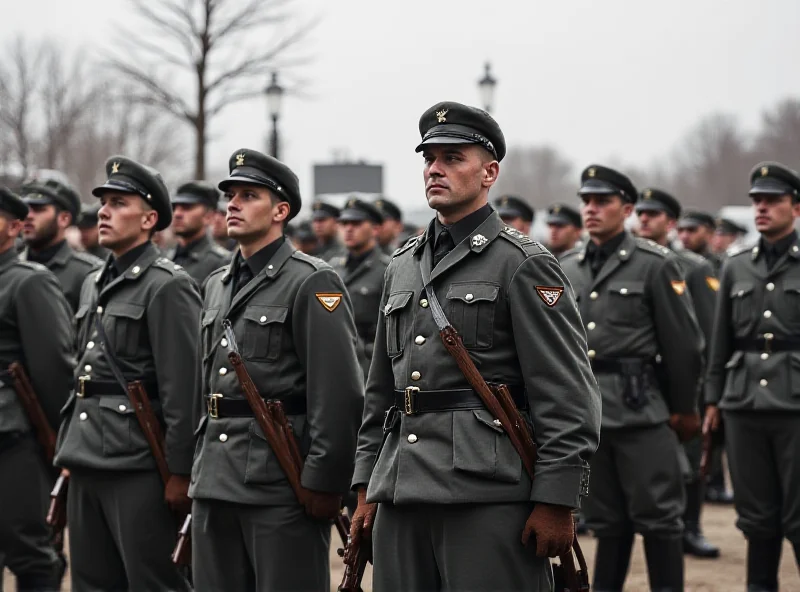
735,361
791,285
471,293
397,301
119,405
489,420
81,312
740,289
128,310
626,288
264,315
209,316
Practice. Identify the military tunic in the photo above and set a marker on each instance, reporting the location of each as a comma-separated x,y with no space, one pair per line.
294,328
151,315
200,258
364,284
442,473
329,250
36,330
70,267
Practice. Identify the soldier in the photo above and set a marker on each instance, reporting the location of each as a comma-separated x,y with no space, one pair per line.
193,209
658,212
754,375
725,235
695,231
324,222
362,271
304,239
35,330
641,327
294,324
138,319
447,485
53,206
514,212
565,228
391,227
87,225
219,227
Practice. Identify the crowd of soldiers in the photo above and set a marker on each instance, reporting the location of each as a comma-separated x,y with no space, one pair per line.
615,347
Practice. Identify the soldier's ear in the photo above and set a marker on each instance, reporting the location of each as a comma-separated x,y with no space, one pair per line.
281,211
491,170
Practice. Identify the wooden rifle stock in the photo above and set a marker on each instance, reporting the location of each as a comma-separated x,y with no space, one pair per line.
355,557
57,512
45,434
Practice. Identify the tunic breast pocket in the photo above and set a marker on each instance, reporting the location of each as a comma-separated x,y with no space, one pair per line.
626,304
263,332
791,291
123,323
396,322
207,329
471,312
81,327
742,306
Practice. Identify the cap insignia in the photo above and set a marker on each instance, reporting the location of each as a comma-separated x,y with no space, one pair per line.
240,159
317,206
648,194
504,201
351,203
556,209
440,115
592,172
115,168
764,171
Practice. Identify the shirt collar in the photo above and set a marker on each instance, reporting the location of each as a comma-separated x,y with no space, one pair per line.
189,247
464,227
354,261
46,254
780,247
122,263
259,260
607,247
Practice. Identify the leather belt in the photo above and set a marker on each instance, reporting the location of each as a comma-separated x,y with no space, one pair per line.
617,365
768,344
219,406
413,401
88,387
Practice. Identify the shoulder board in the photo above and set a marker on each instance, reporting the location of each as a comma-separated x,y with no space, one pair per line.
87,258
573,252
384,258
31,265
411,242
338,261
218,271
168,265
646,244
739,249
217,250
522,241
315,262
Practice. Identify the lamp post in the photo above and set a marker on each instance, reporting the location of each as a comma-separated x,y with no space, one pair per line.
274,94
486,86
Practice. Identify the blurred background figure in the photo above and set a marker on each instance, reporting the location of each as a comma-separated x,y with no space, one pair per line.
325,224
696,232
219,226
304,239
726,233
515,213
87,225
392,226
564,227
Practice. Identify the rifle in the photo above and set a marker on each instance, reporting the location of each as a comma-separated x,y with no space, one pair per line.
353,566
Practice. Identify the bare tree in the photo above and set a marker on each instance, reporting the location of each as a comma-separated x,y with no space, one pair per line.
223,47
537,174
779,137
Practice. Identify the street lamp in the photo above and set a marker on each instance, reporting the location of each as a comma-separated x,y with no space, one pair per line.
486,87
274,100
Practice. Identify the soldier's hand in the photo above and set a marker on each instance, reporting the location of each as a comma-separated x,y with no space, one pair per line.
176,494
686,425
552,528
363,519
712,420
323,505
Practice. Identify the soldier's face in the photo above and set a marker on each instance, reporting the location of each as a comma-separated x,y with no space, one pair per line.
89,237
41,225
123,220
325,228
457,177
604,215
358,236
219,226
518,223
252,212
388,231
563,236
775,214
654,225
189,220
695,238
721,242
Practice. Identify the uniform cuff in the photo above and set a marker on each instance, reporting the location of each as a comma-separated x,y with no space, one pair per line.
322,480
363,472
560,485
180,462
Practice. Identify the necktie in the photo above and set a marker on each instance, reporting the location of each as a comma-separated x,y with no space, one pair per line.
444,244
243,277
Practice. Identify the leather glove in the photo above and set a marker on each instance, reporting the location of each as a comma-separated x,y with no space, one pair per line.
712,421
363,519
552,528
323,505
176,494
686,425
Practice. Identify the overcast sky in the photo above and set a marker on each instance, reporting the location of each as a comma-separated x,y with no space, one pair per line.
621,79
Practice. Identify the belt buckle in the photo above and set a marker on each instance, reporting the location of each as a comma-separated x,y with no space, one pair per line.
408,399
82,380
768,337
212,405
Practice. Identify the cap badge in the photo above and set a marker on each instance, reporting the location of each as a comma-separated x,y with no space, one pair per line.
550,295
440,115
504,201
556,209
764,171
351,203
240,159
329,301
648,194
115,168
591,172
479,240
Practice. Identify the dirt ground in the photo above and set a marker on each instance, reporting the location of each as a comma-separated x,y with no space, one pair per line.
725,574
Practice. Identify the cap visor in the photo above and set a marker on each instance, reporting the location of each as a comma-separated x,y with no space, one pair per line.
113,186
234,179
187,199
596,186
506,212
650,206
38,201
442,140
558,220
353,216
321,215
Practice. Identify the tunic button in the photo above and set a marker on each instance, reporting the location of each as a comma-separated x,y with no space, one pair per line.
592,353
591,325
263,319
593,295
795,249
87,368
740,293
423,303
270,267
415,375
223,437
224,342
623,252
767,314
223,371
90,345
763,382
469,297
123,408
99,310
623,291
764,356
412,438
83,416
770,286
136,269
419,340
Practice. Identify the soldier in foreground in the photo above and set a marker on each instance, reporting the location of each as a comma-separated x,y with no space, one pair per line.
440,471
640,327
293,324
324,223
658,212
754,375
138,319
90,238
392,226
36,324
193,209
565,228
362,271
53,206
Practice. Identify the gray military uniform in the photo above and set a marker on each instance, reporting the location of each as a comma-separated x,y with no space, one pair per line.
121,531
754,377
201,258
364,284
70,267
646,347
36,330
449,476
333,248
294,327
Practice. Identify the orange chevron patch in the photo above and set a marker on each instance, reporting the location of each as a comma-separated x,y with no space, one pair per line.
679,286
329,301
713,283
